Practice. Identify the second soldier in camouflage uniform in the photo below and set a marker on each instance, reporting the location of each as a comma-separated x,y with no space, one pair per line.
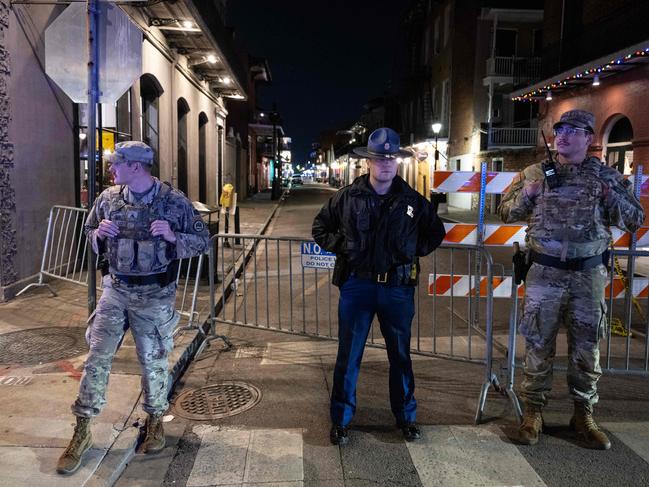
568,236
141,226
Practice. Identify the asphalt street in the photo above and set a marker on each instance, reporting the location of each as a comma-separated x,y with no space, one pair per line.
283,439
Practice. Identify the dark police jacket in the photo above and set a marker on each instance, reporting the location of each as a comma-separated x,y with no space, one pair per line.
371,233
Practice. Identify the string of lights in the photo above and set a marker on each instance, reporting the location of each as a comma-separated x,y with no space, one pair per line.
545,92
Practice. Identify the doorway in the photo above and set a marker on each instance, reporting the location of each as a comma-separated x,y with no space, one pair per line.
619,148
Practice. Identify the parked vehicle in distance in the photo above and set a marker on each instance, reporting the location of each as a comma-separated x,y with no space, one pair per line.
296,180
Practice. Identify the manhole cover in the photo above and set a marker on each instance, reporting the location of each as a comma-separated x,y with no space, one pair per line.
215,401
42,345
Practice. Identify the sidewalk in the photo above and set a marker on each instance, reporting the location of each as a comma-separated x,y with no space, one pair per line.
42,351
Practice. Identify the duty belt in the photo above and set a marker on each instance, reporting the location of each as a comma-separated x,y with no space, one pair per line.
162,279
570,264
398,276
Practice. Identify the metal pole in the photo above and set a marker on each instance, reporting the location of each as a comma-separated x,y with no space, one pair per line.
630,271
237,225
436,154
100,149
93,95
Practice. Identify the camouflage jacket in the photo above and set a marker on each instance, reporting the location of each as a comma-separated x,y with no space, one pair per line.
573,220
135,251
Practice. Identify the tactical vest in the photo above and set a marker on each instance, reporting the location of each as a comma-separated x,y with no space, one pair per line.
571,214
135,251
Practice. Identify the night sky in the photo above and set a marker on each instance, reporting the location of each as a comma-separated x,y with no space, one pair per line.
327,58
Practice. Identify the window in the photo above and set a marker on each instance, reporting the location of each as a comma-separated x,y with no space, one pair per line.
124,108
506,42
202,158
538,42
434,104
426,46
150,91
219,160
447,23
497,164
183,110
457,165
495,199
446,103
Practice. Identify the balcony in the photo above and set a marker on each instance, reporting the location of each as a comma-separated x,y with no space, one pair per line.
511,70
512,137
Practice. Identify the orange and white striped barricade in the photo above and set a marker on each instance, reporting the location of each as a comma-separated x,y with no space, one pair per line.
506,235
465,286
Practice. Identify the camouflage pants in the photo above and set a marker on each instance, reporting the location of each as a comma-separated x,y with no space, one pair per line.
576,299
149,311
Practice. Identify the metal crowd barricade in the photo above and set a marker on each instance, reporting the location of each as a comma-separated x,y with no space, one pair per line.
625,351
191,295
64,258
64,253
263,284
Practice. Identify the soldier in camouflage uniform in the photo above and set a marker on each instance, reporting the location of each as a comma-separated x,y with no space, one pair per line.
568,236
142,226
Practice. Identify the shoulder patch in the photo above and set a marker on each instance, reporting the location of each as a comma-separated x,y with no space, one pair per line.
198,225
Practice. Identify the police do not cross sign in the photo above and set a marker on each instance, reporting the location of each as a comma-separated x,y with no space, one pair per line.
316,257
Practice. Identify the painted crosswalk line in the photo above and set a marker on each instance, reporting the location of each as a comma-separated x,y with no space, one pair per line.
469,456
634,435
239,457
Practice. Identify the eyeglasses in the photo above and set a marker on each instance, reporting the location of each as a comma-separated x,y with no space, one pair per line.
568,130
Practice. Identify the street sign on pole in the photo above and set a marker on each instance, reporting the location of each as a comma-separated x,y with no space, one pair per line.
94,53
119,56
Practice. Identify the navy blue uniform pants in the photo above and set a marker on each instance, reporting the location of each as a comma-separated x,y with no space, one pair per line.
360,300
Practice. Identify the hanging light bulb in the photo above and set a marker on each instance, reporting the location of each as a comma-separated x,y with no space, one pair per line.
548,95
596,80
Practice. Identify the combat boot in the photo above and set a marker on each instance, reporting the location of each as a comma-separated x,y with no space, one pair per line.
81,441
586,428
531,426
154,435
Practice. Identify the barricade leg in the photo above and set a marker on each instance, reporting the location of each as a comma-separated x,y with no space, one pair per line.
511,353
490,378
211,331
40,283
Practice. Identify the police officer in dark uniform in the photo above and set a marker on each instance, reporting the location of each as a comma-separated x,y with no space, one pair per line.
141,226
377,227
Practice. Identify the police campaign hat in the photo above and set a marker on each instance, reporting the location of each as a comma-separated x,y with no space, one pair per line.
383,143
131,151
577,118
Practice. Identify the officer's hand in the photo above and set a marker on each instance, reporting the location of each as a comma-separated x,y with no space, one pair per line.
107,229
161,228
532,188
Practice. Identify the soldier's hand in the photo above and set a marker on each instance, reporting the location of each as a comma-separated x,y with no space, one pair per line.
606,190
107,228
532,188
161,228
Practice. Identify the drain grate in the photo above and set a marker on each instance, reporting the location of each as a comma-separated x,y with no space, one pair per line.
215,401
42,345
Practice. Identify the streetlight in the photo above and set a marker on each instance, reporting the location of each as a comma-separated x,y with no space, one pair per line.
436,128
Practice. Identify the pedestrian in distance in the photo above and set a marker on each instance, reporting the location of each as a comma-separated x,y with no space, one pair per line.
377,227
569,206
141,226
